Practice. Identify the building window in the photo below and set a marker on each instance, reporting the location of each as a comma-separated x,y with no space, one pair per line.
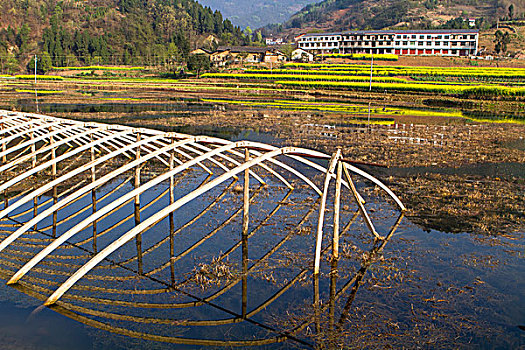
438,43
412,43
429,37
405,43
447,36
398,42
421,37
420,43
413,36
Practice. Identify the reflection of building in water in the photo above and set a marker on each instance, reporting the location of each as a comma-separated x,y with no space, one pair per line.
423,135
323,130
184,239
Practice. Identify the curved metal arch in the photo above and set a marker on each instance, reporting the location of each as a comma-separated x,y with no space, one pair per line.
79,193
95,216
17,135
206,150
49,148
13,130
163,213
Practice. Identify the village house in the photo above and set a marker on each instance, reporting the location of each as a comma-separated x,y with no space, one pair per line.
302,55
245,54
201,51
272,41
274,56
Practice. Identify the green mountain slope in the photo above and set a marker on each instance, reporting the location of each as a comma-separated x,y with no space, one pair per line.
107,31
332,15
257,13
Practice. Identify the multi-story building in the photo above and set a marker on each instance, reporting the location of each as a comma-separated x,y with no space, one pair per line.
450,42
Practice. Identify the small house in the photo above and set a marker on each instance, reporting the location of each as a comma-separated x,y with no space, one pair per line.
201,51
274,56
236,54
302,55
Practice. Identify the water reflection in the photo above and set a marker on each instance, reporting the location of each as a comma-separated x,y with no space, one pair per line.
206,295
434,289
221,269
101,313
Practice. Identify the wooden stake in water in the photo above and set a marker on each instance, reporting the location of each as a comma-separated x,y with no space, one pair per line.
137,208
93,195
319,240
337,208
53,176
33,163
245,225
171,218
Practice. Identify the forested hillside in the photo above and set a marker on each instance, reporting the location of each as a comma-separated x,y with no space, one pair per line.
257,13
332,15
139,32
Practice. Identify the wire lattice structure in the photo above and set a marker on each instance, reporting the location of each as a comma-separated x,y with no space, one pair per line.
131,230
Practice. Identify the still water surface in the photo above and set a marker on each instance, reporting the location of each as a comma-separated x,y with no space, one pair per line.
440,289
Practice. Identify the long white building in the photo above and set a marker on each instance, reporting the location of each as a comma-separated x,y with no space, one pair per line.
449,42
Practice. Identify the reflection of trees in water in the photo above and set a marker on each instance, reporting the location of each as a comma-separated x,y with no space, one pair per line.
155,235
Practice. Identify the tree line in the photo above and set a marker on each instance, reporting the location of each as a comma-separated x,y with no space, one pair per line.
122,32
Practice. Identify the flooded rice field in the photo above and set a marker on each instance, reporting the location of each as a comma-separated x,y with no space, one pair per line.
452,275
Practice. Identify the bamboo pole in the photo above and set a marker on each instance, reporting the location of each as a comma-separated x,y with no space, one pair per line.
93,195
333,290
317,303
53,176
138,239
337,209
171,218
4,158
245,226
360,205
320,222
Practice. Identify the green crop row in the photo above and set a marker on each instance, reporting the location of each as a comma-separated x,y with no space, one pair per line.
41,92
317,72
38,77
411,87
100,68
300,77
480,72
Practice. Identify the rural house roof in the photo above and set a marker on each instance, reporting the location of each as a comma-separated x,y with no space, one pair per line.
239,49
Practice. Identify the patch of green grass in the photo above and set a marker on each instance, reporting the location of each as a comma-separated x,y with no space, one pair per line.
300,77
465,90
38,77
101,68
